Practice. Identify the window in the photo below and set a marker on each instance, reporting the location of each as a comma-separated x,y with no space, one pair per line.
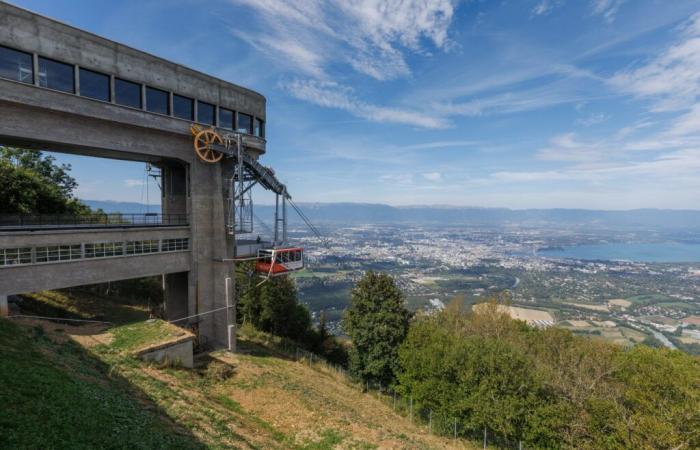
171,245
127,93
16,65
104,249
14,256
94,85
245,123
205,113
56,75
183,107
259,128
139,247
58,253
157,101
226,118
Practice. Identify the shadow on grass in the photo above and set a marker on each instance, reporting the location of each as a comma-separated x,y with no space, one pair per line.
61,396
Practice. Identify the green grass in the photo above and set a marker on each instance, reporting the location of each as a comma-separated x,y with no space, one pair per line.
59,396
130,337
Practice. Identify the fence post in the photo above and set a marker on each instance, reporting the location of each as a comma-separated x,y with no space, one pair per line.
484,437
394,400
520,445
455,428
411,407
430,422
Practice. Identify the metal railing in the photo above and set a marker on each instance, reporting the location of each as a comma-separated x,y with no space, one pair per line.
25,221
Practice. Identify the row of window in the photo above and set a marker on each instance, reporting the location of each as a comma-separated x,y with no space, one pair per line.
19,66
54,253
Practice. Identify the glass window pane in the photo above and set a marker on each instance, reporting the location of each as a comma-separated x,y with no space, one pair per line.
183,107
16,65
205,113
226,118
259,128
157,101
94,85
245,123
127,93
56,75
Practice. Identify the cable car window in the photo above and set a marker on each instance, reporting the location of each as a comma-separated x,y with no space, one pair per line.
94,85
16,65
183,107
157,101
127,93
56,75
205,113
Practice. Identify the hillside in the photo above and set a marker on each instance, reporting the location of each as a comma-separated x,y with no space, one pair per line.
79,386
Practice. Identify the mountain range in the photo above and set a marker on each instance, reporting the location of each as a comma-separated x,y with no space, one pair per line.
372,213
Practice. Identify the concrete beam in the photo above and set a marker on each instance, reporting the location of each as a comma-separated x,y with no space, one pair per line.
40,277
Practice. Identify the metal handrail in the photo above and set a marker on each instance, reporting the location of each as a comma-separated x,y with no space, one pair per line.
84,220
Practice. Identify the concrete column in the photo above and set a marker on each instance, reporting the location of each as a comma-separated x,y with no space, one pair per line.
4,307
174,185
176,296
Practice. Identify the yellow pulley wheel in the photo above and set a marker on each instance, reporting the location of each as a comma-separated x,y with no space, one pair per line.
203,142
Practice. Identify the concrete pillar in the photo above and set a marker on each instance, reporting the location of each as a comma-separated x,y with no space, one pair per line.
176,296
4,307
174,191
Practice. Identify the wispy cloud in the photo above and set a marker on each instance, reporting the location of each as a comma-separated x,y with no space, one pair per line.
432,176
333,95
607,8
672,79
369,36
132,183
545,7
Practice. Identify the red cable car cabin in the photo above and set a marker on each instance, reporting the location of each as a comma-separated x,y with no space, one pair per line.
279,261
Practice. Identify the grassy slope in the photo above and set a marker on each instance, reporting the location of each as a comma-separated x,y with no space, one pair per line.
61,395
58,396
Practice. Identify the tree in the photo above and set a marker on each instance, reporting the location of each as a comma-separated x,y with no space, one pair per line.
32,183
377,322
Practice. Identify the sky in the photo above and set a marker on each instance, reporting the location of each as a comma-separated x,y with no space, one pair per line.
503,103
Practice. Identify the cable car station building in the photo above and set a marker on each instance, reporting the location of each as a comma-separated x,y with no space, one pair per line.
66,90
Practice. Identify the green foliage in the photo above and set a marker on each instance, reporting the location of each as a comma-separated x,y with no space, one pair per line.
273,307
377,321
33,184
548,388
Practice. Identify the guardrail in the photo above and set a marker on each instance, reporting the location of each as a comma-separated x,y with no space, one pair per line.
22,221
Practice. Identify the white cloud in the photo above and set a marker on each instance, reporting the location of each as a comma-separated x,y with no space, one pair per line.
131,183
432,176
544,7
607,8
592,119
672,79
368,35
333,95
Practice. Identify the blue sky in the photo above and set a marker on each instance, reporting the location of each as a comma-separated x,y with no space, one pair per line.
541,103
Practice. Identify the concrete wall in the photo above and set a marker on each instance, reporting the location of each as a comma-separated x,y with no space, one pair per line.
180,353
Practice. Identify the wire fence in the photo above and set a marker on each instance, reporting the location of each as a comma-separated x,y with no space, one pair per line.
444,425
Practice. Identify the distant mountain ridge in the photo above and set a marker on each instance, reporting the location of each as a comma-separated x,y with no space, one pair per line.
375,213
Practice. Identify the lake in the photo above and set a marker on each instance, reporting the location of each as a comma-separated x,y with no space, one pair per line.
664,252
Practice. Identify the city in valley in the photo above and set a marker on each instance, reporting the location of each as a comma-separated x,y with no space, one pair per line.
624,301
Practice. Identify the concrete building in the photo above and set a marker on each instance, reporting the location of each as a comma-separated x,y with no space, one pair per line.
71,91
